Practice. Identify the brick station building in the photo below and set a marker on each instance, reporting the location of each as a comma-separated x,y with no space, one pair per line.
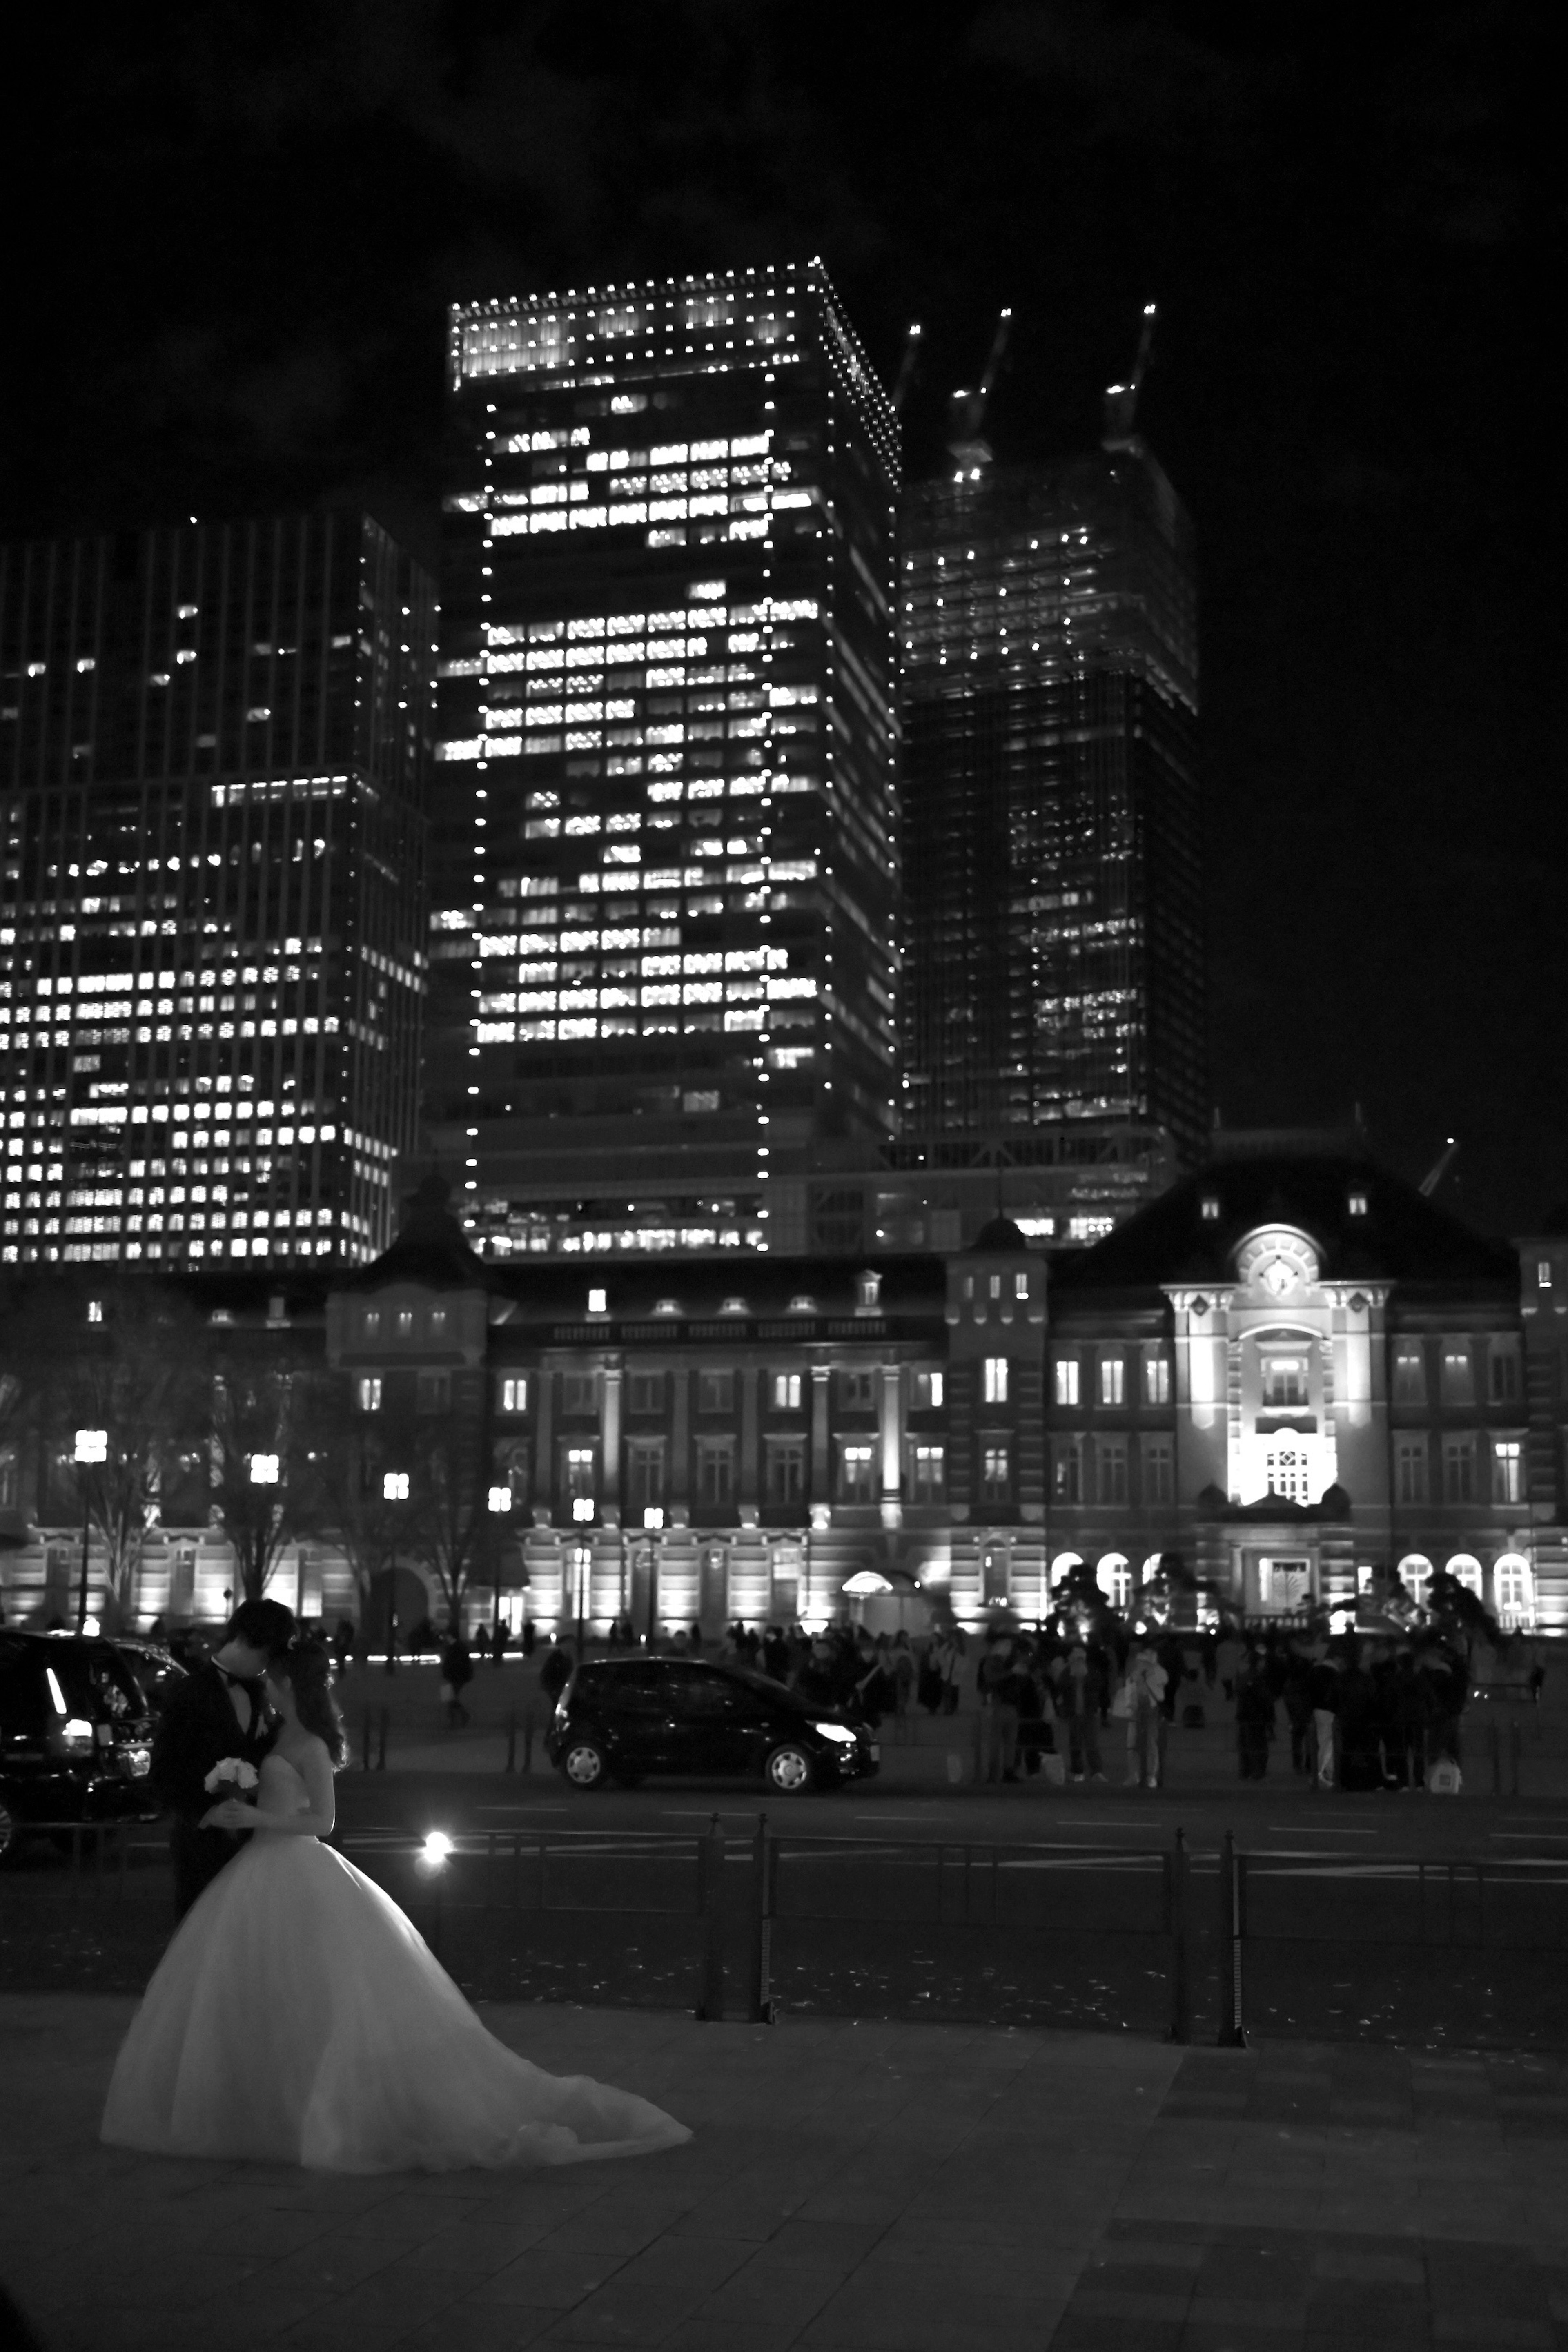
1290,1367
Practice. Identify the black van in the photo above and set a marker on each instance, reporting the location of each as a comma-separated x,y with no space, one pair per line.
618,1718
76,1715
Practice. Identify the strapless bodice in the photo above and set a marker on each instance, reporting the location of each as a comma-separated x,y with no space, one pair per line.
283,1788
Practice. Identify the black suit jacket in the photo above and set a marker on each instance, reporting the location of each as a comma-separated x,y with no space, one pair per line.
199,1728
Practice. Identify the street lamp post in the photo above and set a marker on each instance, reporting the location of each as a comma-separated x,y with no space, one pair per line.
394,1489
653,1520
500,1507
581,1555
91,1451
265,1471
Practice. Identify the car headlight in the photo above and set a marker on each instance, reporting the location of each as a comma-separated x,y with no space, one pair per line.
839,1731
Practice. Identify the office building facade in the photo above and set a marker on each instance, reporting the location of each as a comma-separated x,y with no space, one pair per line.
213,752
666,853
1054,969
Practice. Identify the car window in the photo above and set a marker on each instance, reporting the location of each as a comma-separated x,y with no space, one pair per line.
96,1683
156,1676
632,1690
695,1690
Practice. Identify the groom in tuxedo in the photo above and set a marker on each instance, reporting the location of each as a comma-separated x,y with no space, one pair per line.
219,1711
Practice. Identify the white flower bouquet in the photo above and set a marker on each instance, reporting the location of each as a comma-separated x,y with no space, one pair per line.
231,1778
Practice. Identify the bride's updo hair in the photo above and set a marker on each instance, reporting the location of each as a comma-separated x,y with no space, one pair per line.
307,1668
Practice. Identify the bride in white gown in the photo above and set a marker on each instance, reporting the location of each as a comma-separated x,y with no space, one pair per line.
298,2016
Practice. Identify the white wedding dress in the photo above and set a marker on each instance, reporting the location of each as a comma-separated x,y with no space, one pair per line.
298,2017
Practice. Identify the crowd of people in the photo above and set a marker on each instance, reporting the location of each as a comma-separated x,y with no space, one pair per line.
1359,1711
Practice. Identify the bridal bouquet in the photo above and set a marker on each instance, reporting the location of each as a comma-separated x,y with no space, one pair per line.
231,1778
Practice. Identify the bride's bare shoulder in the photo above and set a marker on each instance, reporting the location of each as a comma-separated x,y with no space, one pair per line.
303,1749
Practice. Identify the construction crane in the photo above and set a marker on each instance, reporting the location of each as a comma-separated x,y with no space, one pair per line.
906,374
1122,399
1435,1175
969,447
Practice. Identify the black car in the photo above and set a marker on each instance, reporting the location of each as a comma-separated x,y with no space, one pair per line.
76,1715
620,1717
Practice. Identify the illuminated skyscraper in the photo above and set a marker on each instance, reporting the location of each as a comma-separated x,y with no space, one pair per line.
212,746
665,867
1053,967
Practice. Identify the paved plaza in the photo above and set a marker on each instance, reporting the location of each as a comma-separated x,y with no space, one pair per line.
920,2188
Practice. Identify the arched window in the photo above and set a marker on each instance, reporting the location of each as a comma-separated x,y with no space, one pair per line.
1514,1592
1416,1575
1113,1574
1468,1568
1287,1473
1063,1563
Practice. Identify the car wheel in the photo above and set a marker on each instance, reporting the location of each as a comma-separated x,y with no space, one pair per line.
584,1765
789,1770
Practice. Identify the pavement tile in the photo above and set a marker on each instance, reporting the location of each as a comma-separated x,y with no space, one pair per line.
1230,2336
1081,2333
926,2313
765,2291
1256,2312
1125,2302
548,2278
1478,2327
474,2327
738,2334
838,2246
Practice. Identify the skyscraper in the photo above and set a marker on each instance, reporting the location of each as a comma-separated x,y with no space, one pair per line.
1054,936
213,744
664,836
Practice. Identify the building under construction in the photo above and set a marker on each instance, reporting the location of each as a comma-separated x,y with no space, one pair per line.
1052,943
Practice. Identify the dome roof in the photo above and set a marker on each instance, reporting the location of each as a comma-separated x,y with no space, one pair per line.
1001,1236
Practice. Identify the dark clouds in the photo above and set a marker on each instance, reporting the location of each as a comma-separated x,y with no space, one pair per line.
243,223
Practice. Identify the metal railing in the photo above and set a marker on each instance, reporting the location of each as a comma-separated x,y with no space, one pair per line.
1465,1952
1443,1943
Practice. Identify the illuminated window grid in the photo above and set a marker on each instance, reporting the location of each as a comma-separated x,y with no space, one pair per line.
578,654
558,694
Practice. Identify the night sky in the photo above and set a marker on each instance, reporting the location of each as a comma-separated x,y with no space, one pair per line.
233,228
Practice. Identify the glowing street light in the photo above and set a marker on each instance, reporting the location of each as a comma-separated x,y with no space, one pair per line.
500,1507
264,1470
393,1489
90,1452
432,1860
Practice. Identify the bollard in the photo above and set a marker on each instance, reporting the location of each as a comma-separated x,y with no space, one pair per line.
1176,1915
528,1739
380,1739
1232,2035
764,1892
711,1854
511,1740
365,1742
1515,1754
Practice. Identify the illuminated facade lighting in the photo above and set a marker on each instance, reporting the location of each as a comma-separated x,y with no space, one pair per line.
664,907
213,749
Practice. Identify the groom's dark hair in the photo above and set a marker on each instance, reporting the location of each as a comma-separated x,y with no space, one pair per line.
265,1624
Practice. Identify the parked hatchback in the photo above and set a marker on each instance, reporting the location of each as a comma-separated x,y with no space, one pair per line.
76,1716
618,1718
